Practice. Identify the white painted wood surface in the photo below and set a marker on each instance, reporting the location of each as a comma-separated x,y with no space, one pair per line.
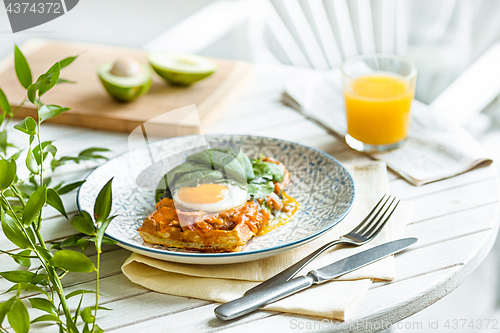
455,221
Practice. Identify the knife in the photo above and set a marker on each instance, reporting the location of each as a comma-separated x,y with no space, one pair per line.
254,301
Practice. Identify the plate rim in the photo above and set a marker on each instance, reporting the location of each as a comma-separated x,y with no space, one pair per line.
233,254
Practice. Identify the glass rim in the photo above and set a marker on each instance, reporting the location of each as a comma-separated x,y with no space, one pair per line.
413,68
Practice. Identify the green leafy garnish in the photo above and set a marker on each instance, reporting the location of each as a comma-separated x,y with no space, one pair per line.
268,170
260,188
218,165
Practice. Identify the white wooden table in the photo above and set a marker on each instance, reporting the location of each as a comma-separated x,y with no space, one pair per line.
455,221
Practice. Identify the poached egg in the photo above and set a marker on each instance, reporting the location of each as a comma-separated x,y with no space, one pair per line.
210,197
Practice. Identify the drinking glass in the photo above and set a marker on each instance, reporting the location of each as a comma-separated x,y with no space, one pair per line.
378,90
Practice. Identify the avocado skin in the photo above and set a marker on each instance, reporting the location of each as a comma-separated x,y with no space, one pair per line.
126,94
180,79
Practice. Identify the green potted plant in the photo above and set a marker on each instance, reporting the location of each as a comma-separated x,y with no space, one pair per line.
22,201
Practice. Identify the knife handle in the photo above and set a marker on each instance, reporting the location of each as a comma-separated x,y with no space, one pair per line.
254,301
291,271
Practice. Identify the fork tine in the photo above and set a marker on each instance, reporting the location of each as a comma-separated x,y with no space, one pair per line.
375,217
369,215
378,226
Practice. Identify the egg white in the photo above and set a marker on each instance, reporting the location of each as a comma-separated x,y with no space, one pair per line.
233,197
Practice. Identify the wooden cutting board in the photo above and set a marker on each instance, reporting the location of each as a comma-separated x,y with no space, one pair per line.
92,107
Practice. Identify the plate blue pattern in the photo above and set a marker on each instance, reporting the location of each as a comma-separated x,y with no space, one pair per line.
322,186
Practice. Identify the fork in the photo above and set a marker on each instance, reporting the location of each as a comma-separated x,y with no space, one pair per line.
362,234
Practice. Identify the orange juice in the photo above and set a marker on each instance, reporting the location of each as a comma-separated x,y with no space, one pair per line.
378,108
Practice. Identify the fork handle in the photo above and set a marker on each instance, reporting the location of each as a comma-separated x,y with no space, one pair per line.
291,271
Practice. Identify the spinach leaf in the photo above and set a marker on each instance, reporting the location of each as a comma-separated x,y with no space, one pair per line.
242,159
182,169
260,190
208,166
268,170
198,177
220,160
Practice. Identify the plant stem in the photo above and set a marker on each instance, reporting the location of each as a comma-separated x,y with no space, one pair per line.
19,223
54,278
18,255
96,289
39,225
16,192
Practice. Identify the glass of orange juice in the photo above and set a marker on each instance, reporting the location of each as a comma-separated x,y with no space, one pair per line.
378,90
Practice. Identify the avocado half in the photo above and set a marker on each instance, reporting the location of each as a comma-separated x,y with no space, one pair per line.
181,69
125,85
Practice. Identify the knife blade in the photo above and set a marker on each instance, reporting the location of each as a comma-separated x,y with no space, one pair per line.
249,303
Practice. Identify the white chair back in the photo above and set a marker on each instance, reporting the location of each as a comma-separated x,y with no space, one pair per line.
322,33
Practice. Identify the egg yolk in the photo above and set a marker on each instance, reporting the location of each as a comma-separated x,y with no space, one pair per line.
203,194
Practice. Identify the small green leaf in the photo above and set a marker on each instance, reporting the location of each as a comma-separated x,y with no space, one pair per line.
3,141
4,104
67,61
54,200
39,278
72,261
47,147
18,276
18,317
16,155
70,187
5,307
87,316
14,232
98,329
91,151
83,223
55,247
102,229
82,243
43,252
71,240
31,92
50,111
27,286
108,241
104,308
47,317
43,304
103,202
2,117
79,292
34,205
65,81
27,126
53,76
23,70
8,171
31,162
21,258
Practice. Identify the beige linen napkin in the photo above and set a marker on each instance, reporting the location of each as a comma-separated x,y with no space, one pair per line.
333,300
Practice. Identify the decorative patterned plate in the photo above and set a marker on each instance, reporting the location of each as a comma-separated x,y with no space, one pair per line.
320,184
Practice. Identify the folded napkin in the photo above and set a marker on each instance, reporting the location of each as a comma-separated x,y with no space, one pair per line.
335,299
